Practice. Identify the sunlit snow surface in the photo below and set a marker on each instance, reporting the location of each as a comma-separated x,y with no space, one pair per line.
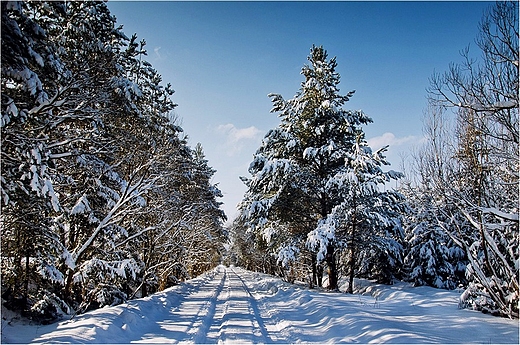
231,305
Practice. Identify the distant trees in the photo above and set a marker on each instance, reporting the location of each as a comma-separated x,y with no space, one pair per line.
314,186
102,199
470,168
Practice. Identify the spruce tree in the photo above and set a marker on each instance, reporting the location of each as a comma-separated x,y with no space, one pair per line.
432,258
366,222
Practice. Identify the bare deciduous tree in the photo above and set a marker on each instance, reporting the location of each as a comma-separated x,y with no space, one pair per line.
476,171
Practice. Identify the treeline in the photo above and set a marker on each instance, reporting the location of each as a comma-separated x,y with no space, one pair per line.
102,198
318,198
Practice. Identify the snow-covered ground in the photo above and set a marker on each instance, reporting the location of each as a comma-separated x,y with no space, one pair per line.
237,306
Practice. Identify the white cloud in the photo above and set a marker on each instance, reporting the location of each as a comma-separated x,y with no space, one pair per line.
390,139
157,53
236,138
399,149
235,135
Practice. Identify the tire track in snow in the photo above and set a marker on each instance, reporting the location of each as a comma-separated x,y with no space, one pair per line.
206,313
185,322
256,311
233,315
220,309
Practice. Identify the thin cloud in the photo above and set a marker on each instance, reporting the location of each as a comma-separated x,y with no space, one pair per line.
237,138
390,139
399,148
157,53
235,134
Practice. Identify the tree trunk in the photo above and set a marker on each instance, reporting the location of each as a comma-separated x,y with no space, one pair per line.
67,291
314,272
351,266
319,269
331,268
144,289
352,259
26,282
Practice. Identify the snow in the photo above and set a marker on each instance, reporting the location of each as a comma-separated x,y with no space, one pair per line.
35,184
325,104
82,206
321,236
287,254
505,104
49,190
12,109
232,305
291,143
37,57
310,152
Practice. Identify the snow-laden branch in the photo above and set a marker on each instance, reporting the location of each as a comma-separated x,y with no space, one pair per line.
130,192
50,103
491,242
506,216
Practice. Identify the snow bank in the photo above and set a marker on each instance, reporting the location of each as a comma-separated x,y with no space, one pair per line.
378,314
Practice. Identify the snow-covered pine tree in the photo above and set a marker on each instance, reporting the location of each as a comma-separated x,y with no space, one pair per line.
54,105
367,220
207,218
294,191
30,67
183,212
91,145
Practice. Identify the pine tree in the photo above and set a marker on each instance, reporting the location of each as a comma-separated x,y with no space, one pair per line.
292,193
30,64
367,220
208,218
432,258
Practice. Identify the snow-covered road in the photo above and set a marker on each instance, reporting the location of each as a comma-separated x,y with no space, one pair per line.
232,305
222,309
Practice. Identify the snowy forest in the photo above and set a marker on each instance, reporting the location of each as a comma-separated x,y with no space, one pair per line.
103,200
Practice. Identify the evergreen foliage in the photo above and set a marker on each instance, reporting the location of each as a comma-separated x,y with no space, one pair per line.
432,257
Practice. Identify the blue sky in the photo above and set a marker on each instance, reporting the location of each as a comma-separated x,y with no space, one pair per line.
223,58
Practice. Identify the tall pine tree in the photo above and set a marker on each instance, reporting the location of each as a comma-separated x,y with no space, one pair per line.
290,194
